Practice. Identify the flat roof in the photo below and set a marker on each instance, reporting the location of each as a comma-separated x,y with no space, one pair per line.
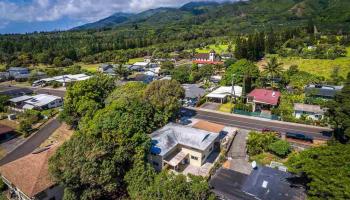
166,138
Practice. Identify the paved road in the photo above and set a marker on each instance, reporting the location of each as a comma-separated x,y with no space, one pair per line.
259,124
15,90
32,143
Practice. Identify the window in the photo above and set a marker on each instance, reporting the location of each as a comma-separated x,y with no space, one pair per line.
194,157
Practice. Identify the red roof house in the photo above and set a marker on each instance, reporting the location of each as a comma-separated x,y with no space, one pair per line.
207,58
263,97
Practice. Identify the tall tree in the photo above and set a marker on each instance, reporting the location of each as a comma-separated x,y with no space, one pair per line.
273,68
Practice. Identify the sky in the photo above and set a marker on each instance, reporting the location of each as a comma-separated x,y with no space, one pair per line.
24,16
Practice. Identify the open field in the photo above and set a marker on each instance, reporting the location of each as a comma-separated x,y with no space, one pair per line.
89,67
217,48
134,60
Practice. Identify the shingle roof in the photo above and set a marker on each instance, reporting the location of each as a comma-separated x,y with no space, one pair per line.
166,138
265,96
30,173
193,90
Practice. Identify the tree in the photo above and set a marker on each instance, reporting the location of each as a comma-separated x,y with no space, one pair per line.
244,73
339,112
122,71
181,74
280,147
336,79
326,170
273,68
206,71
84,98
166,67
127,92
258,143
164,95
3,101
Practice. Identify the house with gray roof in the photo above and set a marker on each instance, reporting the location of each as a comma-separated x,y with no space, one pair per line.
322,91
38,102
314,112
177,146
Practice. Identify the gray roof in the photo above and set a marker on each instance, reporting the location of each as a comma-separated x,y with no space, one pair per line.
18,69
41,100
168,137
308,108
267,183
193,90
327,91
20,99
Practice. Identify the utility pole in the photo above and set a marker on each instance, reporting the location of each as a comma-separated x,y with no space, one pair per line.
233,89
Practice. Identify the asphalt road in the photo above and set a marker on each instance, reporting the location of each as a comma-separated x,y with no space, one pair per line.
258,124
32,143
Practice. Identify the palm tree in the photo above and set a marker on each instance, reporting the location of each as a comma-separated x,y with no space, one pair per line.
273,68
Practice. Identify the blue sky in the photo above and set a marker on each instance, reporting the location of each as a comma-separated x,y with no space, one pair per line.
21,16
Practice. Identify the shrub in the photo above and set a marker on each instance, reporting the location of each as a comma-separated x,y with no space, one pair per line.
259,142
25,126
3,186
280,148
244,107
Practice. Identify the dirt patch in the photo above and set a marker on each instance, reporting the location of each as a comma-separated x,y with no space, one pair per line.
10,123
62,134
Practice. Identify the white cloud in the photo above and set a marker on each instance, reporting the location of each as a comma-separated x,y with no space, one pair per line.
83,10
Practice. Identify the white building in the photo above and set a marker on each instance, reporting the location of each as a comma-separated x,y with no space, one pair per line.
38,102
63,79
222,93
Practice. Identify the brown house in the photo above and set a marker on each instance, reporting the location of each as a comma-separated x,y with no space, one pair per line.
29,178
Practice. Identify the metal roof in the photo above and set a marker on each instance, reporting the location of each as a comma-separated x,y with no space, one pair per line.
20,99
166,138
41,100
308,108
224,91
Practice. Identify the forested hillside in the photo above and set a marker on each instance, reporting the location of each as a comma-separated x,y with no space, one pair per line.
171,29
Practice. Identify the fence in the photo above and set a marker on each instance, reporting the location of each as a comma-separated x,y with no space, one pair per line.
256,114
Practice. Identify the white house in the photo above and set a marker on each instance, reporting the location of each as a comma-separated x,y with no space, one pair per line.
64,79
314,112
222,93
38,102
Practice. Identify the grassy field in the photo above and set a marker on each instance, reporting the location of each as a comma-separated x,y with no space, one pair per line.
320,67
217,48
89,67
134,60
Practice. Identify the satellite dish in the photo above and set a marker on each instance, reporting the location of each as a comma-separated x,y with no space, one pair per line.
254,165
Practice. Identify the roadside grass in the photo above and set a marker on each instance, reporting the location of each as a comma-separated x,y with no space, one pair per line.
227,107
134,60
217,48
348,51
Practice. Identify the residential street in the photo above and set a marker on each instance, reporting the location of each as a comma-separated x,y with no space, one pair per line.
260,124
32,143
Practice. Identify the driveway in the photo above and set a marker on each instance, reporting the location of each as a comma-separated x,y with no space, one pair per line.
237,156
211,106
32,143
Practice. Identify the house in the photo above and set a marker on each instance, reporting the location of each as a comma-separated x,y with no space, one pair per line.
215,78
147,59
177,146
314,112
38,102
106,69
193,92
207,58
145,78
4,76
263,183
18,72
222,93
226,56
28,177
64,79
262,99
141,64
322,91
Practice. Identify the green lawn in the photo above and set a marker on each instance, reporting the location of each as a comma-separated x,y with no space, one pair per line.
322,67
134,60
89,67
217,48
227,107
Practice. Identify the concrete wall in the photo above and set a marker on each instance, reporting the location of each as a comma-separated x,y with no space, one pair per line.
195,156
312,116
